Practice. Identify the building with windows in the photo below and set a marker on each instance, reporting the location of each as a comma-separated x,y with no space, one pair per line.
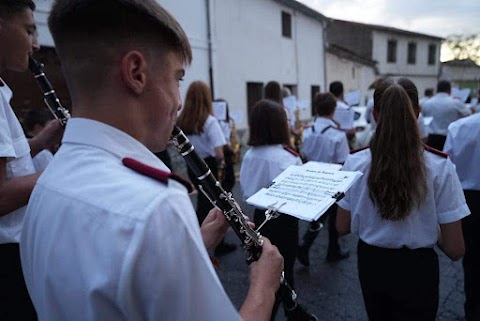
464,73
238,46
396,52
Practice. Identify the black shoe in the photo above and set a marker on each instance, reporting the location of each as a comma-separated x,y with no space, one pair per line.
224,248
302,256
337,255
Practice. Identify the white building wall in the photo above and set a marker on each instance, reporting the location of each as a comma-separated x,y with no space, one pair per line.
249,47
421,73
191,15
353,75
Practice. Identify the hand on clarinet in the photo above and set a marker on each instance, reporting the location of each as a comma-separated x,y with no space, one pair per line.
213,229
49,138
264,283
265,273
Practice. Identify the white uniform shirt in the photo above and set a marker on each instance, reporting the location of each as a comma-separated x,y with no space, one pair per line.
42,159
463,146
15,148
103,242
444,110
212,137
444,203
261,164
325,145
422,127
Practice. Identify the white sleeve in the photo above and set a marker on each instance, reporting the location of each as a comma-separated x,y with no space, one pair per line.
462,109
6,143
449,198
342,150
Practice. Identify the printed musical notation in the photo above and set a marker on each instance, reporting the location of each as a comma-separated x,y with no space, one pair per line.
304,192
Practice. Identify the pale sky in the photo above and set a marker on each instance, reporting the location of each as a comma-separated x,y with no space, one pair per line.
433,17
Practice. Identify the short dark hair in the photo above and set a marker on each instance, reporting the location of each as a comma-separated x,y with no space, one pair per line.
268,124
88,34
336,88
8,8
325,104
444,86
429,92
273,91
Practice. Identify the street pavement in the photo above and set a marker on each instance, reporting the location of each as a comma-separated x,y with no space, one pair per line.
330,290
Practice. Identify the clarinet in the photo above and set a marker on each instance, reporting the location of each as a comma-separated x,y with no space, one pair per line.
50,98
224,201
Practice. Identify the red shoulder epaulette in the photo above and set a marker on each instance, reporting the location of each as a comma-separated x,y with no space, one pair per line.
436,151
155,173
291,151
353,151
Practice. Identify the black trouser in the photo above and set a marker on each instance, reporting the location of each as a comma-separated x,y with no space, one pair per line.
283,233
398,284
15,303
203,204
436,141
471,259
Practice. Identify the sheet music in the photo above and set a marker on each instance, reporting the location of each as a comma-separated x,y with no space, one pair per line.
304,192
344,117
352,98
291,103
220,110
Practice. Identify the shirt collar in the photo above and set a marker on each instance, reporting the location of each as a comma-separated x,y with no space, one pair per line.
100,135
325,121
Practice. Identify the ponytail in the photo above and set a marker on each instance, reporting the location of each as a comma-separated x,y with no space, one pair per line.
397,179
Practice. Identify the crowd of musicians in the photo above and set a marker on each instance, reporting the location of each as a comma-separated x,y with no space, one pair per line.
101,229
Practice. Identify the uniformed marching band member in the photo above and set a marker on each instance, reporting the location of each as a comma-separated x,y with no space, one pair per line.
110,233
18,174
265,160
408,200
206,135
324,142
463,147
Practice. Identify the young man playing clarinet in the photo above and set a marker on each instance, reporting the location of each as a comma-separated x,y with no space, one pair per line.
17,173
136,252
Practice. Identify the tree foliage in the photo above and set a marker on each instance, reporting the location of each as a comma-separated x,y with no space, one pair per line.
464,46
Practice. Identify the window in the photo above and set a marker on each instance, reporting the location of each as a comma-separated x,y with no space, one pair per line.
392,51
432,54
286,24
254,94
314,91
412,53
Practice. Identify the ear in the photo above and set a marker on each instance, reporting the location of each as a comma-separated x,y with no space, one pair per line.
134,71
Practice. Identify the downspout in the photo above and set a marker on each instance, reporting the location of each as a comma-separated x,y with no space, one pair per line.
325,46
210,50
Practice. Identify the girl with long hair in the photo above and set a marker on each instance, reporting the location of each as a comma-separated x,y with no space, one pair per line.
408,200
